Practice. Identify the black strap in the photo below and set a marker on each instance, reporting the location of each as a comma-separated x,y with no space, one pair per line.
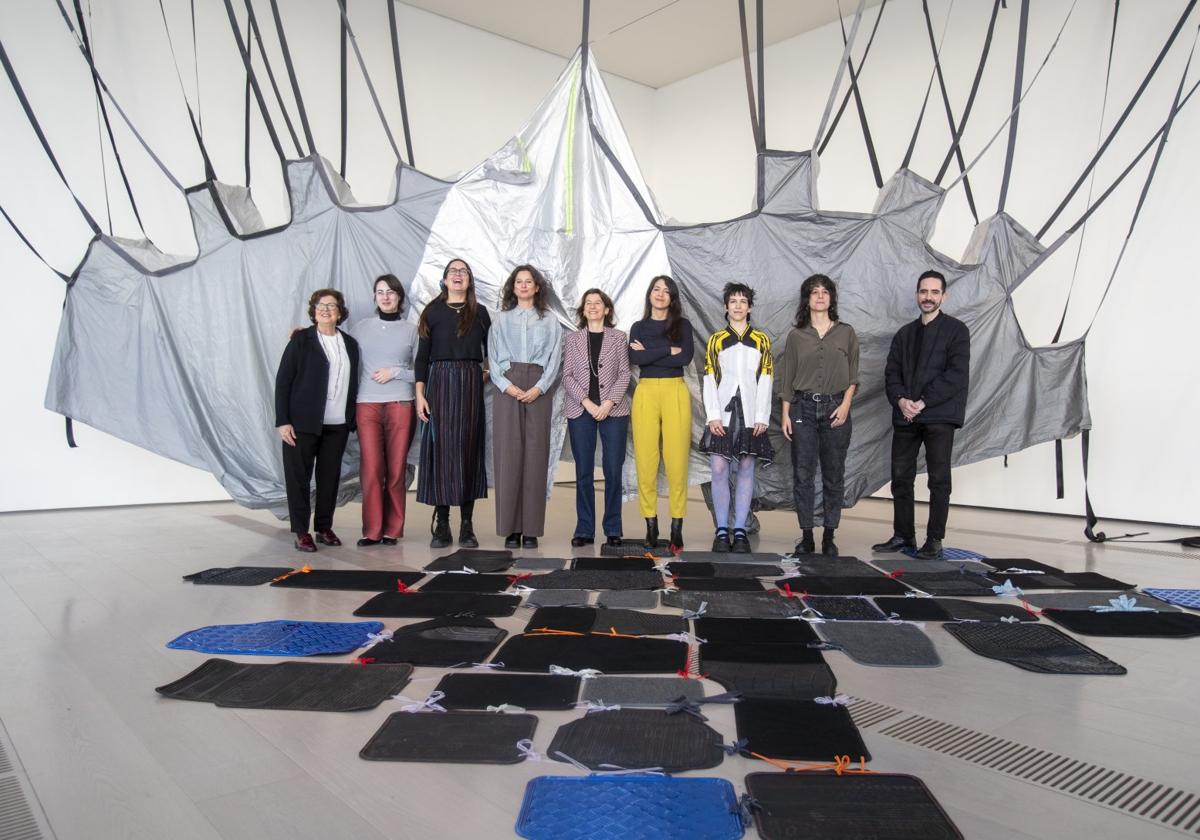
29,245
1120,120
1058,468
962,123
1090,518
837,78
246,123
837,117
862,113
1018,76
362,66
941,80
70,430
244,49
210,172
195,69
291,69
87,51
400,80
749,75
37,129
262,51
342,63
762,77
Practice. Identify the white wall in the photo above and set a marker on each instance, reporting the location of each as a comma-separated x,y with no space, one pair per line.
1142,367
469,91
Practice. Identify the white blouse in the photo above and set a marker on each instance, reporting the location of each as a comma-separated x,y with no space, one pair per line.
338,386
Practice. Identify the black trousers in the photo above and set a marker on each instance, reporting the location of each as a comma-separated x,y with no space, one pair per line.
813,440
325,452
938,439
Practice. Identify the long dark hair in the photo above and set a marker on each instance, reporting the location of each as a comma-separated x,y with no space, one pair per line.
466,317
508,297
803,316
392,283
581,320
674,328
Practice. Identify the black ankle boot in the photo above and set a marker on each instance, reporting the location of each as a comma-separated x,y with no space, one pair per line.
828,546
721,541
651,532
741,543
466,535
677,533
440,528
806,544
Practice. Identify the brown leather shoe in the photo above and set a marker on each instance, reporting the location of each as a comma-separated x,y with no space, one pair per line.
304,542
328,537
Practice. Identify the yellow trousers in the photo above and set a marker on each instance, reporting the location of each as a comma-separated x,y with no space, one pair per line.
662,412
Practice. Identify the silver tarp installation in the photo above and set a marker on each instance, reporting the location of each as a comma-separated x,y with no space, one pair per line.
179,357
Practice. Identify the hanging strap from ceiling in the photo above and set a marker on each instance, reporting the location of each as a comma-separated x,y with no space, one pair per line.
291,69
937,51
342,64
395,33
858,103
837,79
837,117
962,123
65,278
262,52
362,65
941,80
761,61
244,49
1018,75
246,125
758,144
1120,120
210,172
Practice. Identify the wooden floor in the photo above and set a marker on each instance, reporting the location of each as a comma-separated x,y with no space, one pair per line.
89,598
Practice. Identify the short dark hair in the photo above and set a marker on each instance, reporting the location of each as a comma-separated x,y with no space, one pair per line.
343,312
393,283
508,295
581,321
937,275
803,316
742,289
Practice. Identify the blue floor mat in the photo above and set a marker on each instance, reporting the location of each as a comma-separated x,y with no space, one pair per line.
279,638
629,808
949,554
1189,598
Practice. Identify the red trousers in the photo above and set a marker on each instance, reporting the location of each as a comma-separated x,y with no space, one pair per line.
385,431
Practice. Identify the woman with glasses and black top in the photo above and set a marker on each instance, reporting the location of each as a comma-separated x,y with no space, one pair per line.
818,375
453,332
385,412
315,393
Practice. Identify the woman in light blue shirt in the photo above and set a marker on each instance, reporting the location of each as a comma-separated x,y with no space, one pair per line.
525,353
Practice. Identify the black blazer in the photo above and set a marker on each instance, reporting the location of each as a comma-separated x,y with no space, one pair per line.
940,376
302,380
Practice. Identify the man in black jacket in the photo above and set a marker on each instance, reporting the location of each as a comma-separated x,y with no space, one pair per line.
926,378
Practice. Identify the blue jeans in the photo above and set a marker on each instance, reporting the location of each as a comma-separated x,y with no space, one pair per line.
613,433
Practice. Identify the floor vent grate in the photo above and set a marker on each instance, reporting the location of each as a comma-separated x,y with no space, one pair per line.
1134,796
18,820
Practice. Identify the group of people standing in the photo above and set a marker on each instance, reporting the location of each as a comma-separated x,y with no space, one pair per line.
386,373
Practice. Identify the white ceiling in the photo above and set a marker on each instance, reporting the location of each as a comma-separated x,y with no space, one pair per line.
654,42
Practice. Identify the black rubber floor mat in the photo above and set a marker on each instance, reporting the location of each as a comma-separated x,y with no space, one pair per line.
1012,565
851,585
588,579
798,730
787,682
912,565
357,580
629,599
780,652
950,583
882,644
637,739
1129,624
734,604
455,582
451,737
438,643
754,630
825,806
636,548
586,620
717,584
725,558
812,564
1033,647
237,575
293,686
641,691
540,564
738,570
1063,580
613,564
1086,599
557,598
607,654
568,619
529,691
432,604
951,609
844,608
477,559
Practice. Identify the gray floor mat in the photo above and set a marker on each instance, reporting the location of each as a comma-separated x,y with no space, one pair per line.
816,564
451,737
735,604
238,575
588,579
881,643
540,564
729,557
911,565
637,739
774,680
1084,600
950,583
557,598
631,599
1033,647
721,569
640,691
636,548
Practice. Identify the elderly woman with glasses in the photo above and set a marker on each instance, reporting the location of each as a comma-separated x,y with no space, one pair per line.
316,391
386,417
